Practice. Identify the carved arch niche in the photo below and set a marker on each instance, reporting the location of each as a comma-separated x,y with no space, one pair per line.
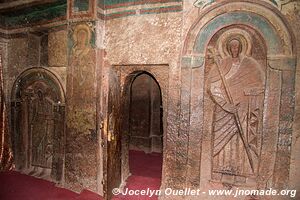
38,124
266,78
236,140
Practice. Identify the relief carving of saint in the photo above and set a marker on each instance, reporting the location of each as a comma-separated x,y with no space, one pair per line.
236,87
42,128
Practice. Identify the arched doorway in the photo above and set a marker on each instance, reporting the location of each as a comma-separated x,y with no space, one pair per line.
146,128
38,120
134,124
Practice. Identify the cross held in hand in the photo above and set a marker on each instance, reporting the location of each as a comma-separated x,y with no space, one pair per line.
213,53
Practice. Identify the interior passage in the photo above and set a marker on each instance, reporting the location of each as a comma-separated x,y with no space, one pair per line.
146,170
145,115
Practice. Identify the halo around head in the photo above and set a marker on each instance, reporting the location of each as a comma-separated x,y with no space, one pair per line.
82,27
238,34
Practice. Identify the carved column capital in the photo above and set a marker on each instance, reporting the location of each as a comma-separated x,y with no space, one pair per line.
192,61
282,63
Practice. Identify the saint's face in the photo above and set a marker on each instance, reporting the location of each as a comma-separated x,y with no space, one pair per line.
82,36
40,95
234,47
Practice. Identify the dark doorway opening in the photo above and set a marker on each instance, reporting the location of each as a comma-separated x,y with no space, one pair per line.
135,131
145,127
145,133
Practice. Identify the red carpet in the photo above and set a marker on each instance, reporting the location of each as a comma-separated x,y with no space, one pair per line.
146,172
145,169
16,186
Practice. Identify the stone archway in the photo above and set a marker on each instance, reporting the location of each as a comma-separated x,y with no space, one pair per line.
116,125
38,124
145,115
267,23
128,78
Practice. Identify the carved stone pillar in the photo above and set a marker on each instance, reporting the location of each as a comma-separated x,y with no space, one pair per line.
286,66
81,139
192,116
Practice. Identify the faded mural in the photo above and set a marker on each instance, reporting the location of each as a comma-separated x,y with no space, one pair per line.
82,62
81,108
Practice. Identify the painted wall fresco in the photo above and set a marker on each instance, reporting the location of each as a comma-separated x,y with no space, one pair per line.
82,62
124,3
82,9
278,3
81,5
82,140
117,9
35,14
47,13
